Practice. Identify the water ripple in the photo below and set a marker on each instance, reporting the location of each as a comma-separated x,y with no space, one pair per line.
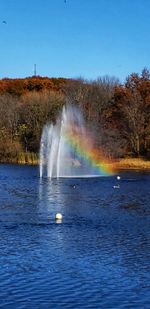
98,257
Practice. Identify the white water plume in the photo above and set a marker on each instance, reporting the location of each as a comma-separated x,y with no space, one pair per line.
57,157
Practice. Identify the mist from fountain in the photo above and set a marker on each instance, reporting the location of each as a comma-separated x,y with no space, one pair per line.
59,157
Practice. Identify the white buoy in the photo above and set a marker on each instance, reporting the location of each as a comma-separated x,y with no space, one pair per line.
116,187
118,177
58,216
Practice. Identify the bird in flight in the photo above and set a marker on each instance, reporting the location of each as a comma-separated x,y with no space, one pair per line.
4,22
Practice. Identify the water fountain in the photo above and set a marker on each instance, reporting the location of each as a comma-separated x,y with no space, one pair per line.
67,149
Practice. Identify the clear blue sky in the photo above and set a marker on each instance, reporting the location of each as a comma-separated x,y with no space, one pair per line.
87,38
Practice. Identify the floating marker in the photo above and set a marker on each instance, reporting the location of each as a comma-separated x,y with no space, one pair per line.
116,187
58,216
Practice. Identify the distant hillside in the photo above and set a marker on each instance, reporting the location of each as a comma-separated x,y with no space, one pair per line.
20,86
117,116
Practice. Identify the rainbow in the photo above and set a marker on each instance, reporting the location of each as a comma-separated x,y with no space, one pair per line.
84,148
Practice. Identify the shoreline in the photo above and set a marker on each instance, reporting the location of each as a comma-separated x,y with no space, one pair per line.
132,164
120,164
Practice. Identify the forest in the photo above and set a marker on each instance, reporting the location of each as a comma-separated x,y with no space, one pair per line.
118,114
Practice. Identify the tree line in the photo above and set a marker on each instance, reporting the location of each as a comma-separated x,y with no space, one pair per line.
119,115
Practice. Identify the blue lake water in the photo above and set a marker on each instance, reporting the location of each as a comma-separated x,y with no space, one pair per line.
98,257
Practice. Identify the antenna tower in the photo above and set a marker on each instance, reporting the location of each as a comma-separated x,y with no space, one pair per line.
34,69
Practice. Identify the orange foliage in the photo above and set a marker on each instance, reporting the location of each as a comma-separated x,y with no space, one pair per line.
20,86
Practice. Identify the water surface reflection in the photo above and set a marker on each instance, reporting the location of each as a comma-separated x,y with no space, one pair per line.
97,258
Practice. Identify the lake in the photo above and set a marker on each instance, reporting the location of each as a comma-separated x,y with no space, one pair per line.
97,257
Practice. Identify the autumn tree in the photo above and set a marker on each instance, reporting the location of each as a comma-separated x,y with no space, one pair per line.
37,109
9,115
95,98
133,109
9,121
